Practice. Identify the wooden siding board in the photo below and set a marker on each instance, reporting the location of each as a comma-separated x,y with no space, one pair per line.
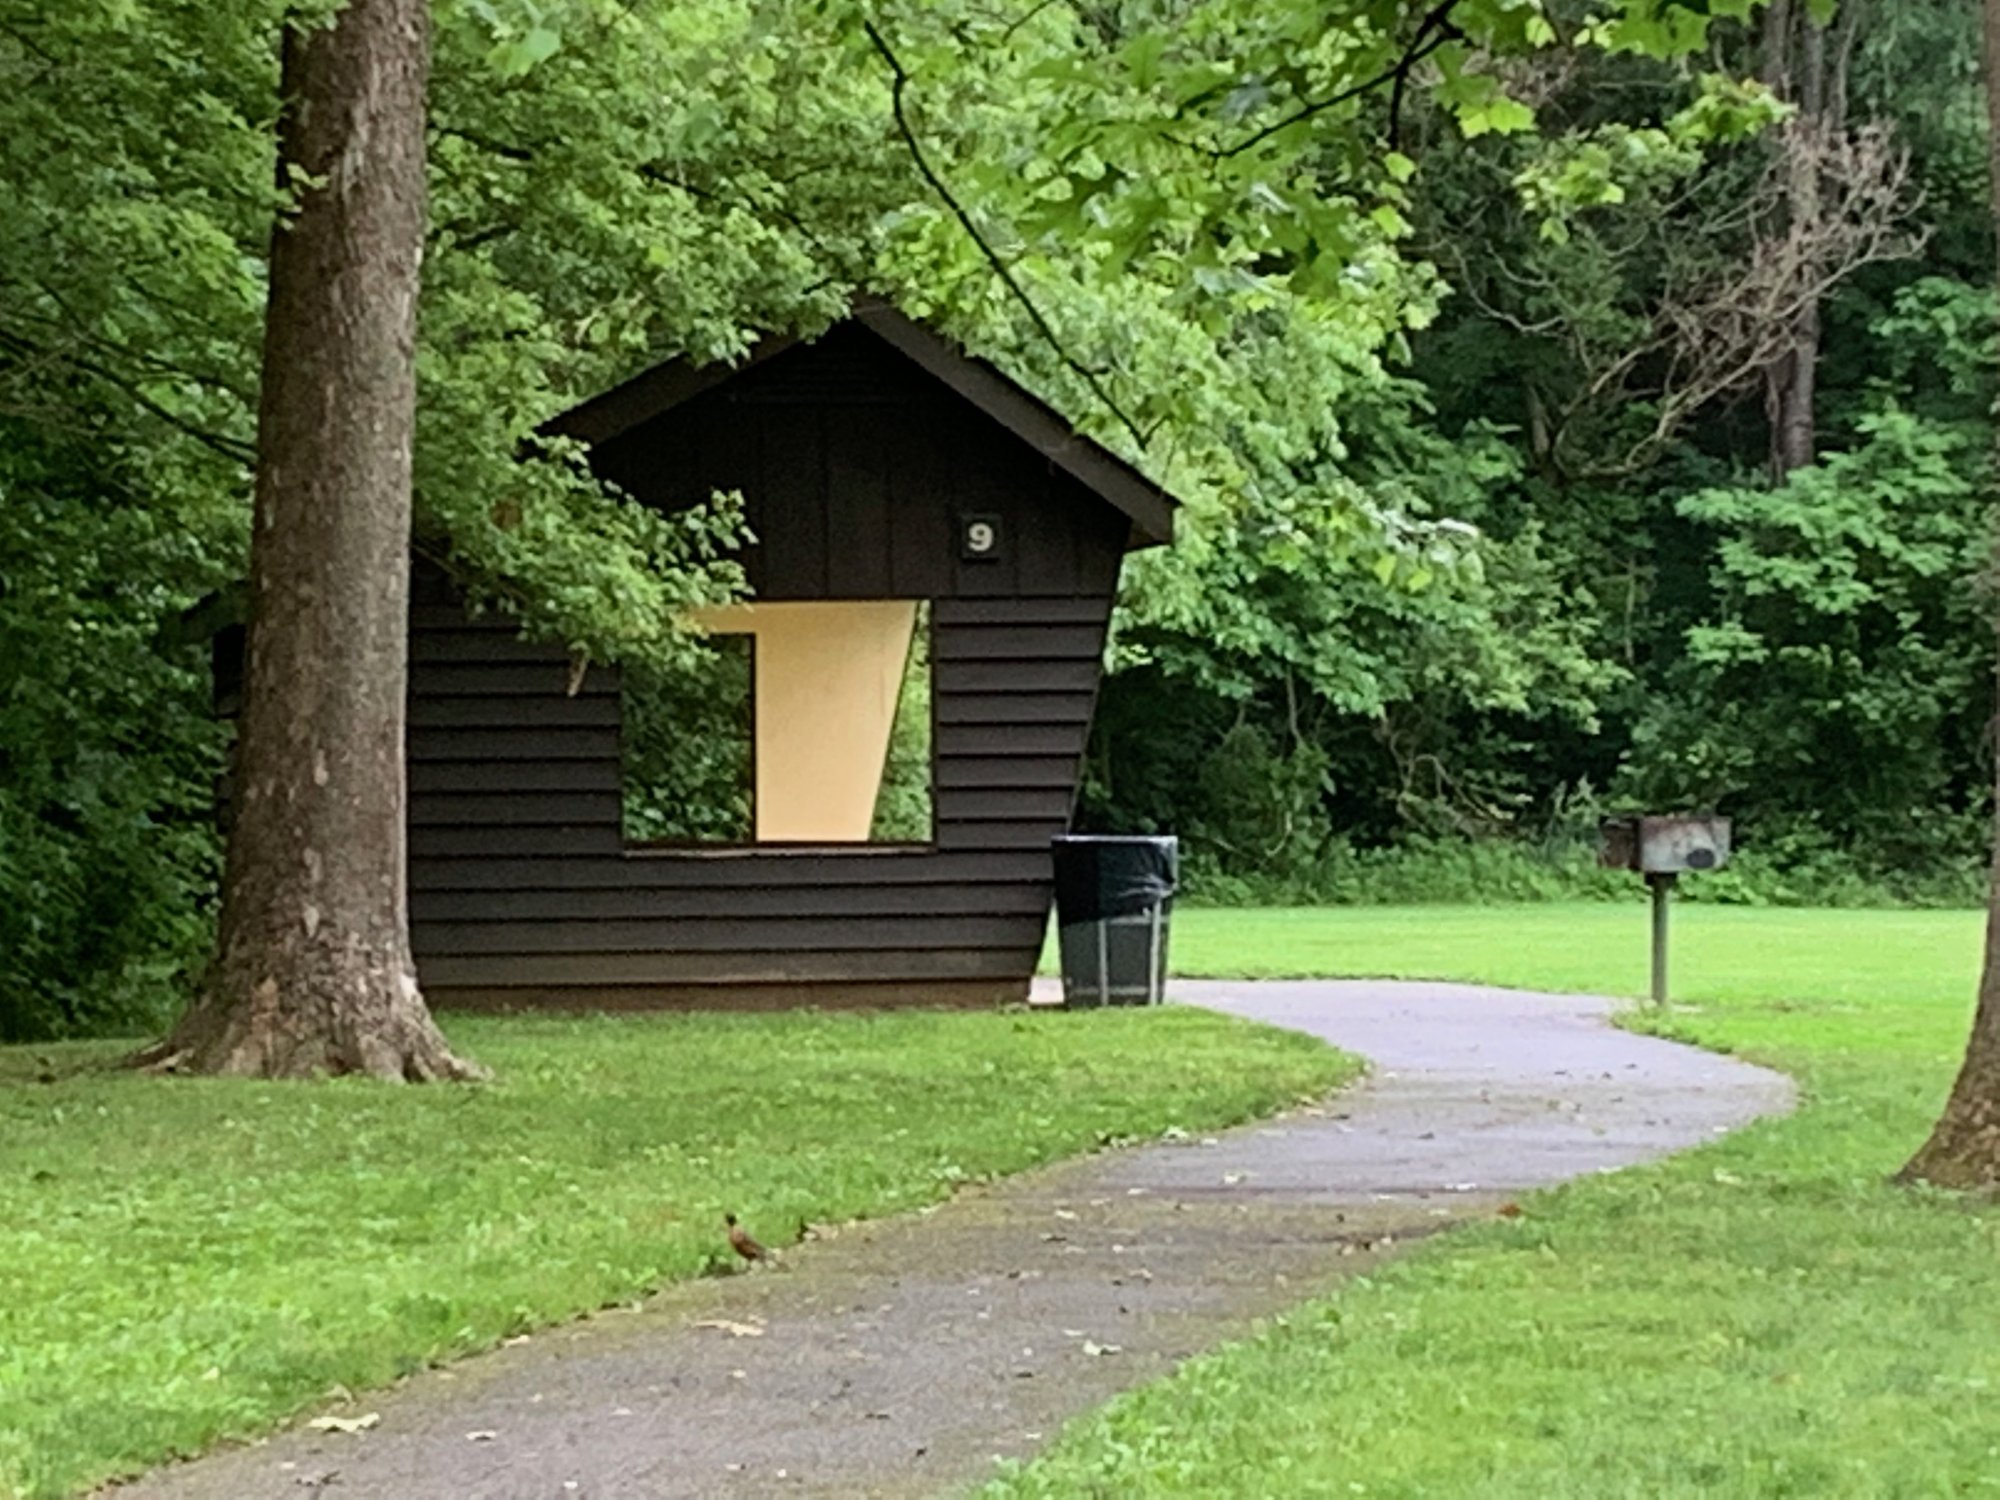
440,614
1084,609
1020,739
791,525
463,643
1052,565
675,466
921,485
1016,642
505,969
505,680
1101,535
1040,804
515,809
728,450
543,711
953,678
786,872
513,744
1027,899
928,994
960,772
432,777
844,367
970,834
858,509
694,935
498,843
1006,709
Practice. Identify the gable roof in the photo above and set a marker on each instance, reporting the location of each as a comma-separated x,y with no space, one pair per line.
1149,508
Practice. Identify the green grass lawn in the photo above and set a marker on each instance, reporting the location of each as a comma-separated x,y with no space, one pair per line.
1762,1318
184,1260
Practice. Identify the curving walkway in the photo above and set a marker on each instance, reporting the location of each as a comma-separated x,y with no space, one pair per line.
901,1357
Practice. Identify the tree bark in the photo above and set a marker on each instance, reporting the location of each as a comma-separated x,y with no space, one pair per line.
313,972
1795,399
1964,1148
1775,64
1797,69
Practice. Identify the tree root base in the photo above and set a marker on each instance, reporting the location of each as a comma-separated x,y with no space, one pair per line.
376,1031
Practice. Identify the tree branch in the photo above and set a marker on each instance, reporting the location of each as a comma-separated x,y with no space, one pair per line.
1090,377
662,176
234,449
1437,20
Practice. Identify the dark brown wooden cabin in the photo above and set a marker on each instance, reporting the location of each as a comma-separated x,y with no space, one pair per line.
865,458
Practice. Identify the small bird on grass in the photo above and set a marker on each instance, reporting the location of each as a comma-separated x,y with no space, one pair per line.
741,1242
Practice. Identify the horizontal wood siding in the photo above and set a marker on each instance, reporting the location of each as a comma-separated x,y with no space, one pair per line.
505,760
595,904
520,878
435,776
678,935
778,869
982,994
580,971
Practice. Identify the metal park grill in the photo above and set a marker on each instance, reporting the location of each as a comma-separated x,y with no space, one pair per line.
1663,849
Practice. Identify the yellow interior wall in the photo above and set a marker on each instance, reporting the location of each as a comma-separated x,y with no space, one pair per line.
827,674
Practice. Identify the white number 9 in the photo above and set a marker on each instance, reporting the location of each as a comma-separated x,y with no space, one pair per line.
979,536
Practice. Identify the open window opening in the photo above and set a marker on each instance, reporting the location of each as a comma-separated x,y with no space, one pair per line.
688,748
803,723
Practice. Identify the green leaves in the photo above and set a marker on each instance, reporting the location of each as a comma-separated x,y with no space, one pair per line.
1665,28
519,55
1476,101
1726,110
1845,629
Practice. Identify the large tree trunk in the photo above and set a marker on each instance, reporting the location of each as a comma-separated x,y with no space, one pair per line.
1964,1149
313,972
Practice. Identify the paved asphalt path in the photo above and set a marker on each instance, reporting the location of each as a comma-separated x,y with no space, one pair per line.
902,1357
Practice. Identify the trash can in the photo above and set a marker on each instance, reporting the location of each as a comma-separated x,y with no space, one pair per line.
1114,902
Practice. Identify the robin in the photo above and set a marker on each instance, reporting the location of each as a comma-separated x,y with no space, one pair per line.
741,1242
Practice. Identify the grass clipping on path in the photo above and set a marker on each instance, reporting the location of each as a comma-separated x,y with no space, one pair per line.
1764,1317
191,1259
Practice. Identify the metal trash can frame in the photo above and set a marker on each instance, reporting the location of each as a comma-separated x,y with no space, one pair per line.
1114,909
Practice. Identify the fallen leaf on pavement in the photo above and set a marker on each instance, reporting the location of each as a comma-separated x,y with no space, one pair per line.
345,1424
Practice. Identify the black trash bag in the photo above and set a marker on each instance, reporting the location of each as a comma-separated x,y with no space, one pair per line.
1103,875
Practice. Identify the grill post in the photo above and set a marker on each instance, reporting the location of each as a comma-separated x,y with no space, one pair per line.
1662,886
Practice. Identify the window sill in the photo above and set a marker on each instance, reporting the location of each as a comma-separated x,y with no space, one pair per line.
780,850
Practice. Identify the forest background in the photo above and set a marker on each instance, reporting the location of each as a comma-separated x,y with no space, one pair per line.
1637,459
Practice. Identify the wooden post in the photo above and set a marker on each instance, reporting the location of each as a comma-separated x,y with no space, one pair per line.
1662,887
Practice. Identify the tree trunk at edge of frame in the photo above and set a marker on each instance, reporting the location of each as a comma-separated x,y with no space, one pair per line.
1964,1148
313,972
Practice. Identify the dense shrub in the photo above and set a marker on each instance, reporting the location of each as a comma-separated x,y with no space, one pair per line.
108,758
1495,871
